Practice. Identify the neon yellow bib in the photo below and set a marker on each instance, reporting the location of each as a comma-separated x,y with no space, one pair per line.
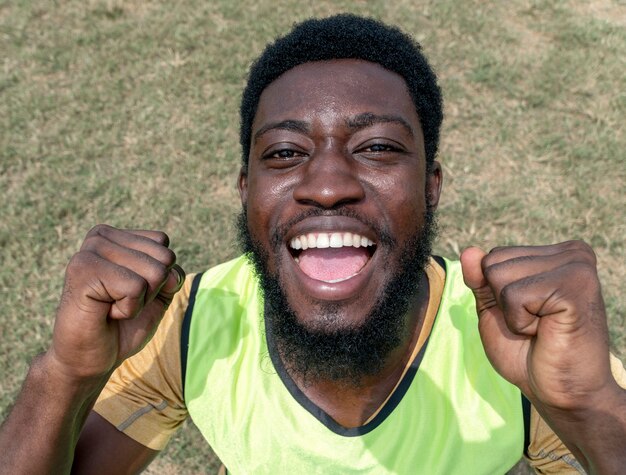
451,415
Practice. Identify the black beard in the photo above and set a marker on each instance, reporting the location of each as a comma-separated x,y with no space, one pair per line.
330,350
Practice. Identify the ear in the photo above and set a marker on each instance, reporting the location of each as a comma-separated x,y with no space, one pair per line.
242,185
434,181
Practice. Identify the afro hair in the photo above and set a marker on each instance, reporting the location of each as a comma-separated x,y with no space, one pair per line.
347,36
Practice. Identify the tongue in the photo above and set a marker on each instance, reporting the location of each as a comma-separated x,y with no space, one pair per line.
332,263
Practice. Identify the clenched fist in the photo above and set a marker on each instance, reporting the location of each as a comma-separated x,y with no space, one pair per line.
542,320
117,288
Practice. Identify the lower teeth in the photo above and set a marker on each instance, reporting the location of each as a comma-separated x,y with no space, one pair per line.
339,280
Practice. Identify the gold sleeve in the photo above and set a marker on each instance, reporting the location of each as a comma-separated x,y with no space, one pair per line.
546,453
143,398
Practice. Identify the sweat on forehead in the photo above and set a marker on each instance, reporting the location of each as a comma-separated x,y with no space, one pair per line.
342,37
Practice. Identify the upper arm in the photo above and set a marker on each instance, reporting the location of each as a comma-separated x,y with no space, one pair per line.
103,450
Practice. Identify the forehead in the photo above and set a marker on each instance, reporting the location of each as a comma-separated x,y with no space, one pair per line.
332,90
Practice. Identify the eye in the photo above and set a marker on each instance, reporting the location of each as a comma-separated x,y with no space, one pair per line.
379,148
283,154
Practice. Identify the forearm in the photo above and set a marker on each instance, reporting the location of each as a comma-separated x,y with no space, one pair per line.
595,435
41,432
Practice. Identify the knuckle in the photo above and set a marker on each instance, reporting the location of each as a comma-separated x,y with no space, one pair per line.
582,248
167,257
588,251
575,244
507,295
158,273
162,238
79,261
91,242
497,249
493,271
99,230
513,308
512,294
496,255
582,271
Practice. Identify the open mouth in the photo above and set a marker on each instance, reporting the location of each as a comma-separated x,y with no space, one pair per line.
331,257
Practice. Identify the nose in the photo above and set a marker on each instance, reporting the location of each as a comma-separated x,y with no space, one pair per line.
330,179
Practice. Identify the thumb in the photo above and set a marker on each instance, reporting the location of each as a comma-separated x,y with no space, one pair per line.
471,265
471,259
501,345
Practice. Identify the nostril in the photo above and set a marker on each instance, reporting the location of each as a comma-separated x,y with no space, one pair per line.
329,178
329,193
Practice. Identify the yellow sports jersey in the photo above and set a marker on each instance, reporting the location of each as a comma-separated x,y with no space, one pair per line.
144,397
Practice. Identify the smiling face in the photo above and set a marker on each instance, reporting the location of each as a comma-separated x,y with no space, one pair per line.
336,187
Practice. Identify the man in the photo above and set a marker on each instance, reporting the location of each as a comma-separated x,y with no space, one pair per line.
338,345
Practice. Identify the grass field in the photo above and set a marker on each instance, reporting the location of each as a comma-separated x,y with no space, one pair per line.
125,112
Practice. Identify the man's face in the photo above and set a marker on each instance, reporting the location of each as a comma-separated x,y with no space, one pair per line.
336,187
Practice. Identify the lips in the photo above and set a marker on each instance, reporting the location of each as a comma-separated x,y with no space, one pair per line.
331,257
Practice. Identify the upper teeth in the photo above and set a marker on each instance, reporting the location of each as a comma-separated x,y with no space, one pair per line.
324,240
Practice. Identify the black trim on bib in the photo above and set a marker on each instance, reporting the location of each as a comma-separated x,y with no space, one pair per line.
185,328
322,415
526,414
439,260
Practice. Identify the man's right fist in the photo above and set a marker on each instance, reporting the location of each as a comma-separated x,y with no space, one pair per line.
117,288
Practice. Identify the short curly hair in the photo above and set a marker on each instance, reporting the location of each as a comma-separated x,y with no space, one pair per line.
347,36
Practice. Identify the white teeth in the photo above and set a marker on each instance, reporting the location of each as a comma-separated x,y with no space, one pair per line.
340,280
323,241
334,240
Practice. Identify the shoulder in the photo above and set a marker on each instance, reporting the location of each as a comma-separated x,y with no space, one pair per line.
231,285
457,300
236,275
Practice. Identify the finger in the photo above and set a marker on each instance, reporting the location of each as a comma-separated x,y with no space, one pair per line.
153,243
97,286
559,294
156,236
174,282
155,272
503,272
500,254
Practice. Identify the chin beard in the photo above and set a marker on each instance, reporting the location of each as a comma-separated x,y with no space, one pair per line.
330,350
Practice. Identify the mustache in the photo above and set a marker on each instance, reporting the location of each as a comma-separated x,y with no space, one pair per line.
384,236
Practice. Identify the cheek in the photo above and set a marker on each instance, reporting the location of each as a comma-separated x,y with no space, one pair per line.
269,198
401,195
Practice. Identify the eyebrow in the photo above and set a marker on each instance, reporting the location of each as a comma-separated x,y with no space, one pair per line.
294,125
358,122
367,119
